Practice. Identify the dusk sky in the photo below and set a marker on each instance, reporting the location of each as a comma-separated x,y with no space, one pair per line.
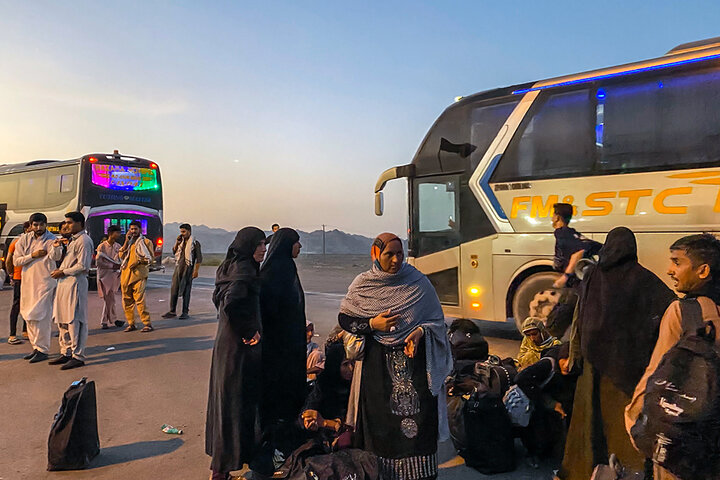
262,112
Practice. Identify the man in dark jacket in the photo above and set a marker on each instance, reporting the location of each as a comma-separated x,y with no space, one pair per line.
188,257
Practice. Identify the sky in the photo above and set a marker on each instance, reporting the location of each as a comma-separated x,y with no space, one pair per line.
287,112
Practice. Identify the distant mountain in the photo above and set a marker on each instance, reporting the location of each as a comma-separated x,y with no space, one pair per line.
216,240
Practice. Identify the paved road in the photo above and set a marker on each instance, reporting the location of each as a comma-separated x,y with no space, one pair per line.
144,381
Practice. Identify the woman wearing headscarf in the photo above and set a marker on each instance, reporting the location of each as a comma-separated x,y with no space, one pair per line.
536,339
235,374
617,326
282,303
406,360
326,406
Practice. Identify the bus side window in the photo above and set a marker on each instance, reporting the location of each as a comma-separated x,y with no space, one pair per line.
663,123
557,140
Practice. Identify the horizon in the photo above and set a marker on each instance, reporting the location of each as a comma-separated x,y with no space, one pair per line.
286,113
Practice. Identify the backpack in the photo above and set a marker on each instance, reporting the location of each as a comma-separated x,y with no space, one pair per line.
498,375
73,440
480,427
679,426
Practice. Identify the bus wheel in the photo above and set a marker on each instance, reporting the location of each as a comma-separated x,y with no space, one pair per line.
526,293
92,284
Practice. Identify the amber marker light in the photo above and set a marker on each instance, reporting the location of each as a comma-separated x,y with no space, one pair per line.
474,291
476,305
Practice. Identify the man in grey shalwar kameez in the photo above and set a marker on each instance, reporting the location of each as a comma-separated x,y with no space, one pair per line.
71,297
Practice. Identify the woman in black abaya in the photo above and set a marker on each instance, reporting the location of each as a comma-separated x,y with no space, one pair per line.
235,373
620,310
282,302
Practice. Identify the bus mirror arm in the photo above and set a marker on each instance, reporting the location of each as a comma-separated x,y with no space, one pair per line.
404,171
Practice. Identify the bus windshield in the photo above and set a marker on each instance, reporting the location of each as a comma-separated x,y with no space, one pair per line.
109,183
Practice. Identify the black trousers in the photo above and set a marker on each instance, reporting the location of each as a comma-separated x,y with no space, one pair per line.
15,309
185,293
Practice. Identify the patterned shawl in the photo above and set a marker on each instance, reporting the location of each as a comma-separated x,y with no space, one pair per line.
409,294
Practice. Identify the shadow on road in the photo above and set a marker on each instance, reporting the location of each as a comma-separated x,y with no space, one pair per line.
135,451
99,355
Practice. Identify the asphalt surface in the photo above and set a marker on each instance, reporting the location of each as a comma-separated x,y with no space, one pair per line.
145,380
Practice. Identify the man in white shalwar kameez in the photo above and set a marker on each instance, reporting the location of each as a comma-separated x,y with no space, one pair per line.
37,289
71,298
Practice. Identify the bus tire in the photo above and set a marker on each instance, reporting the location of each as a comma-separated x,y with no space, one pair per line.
526,292
92,284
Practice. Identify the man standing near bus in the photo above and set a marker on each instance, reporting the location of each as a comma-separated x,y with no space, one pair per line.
570,247
71,297
37,290
16,275
108,276
136,255
188,257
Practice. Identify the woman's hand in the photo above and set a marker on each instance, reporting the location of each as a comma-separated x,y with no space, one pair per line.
411,342
383,322
312,420
254,340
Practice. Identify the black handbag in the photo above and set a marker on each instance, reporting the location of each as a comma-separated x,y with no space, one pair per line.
73,440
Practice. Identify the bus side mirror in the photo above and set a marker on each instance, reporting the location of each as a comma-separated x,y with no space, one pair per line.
379,204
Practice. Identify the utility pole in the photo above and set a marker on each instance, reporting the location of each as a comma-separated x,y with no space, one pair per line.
323,239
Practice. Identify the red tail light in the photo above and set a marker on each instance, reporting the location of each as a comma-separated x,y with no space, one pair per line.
92,160
159,242
153,165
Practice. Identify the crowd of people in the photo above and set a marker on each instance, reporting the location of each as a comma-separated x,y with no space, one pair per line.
50,283
623,321
379,384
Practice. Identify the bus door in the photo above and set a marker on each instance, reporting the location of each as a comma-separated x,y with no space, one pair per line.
435,236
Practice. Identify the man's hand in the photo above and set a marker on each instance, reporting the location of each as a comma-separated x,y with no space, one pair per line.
39,253
561,282
254,340
559,409
195,274
57,274
383,322
411,342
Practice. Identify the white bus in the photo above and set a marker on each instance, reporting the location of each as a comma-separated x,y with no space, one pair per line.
109,189
636,145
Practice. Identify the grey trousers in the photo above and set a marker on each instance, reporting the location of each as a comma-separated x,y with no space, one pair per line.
73,339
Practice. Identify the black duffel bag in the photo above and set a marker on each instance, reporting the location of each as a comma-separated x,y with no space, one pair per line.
73,440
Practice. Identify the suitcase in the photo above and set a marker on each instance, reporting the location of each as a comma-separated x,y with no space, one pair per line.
73,440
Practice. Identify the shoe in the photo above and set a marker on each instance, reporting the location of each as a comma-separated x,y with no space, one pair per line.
533,461
14,341
131,328
73,363
169,315
30,355
183,316
39,357
25,335
119,323
147,328
105,326
60,360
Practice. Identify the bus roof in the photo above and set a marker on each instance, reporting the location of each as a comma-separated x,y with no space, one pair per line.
691,52
42,164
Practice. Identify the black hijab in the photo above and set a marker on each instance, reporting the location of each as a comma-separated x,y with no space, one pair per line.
239,263
621,306
278,271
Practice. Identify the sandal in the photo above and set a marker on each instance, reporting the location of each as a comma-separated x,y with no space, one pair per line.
131,328
147,328
14,341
